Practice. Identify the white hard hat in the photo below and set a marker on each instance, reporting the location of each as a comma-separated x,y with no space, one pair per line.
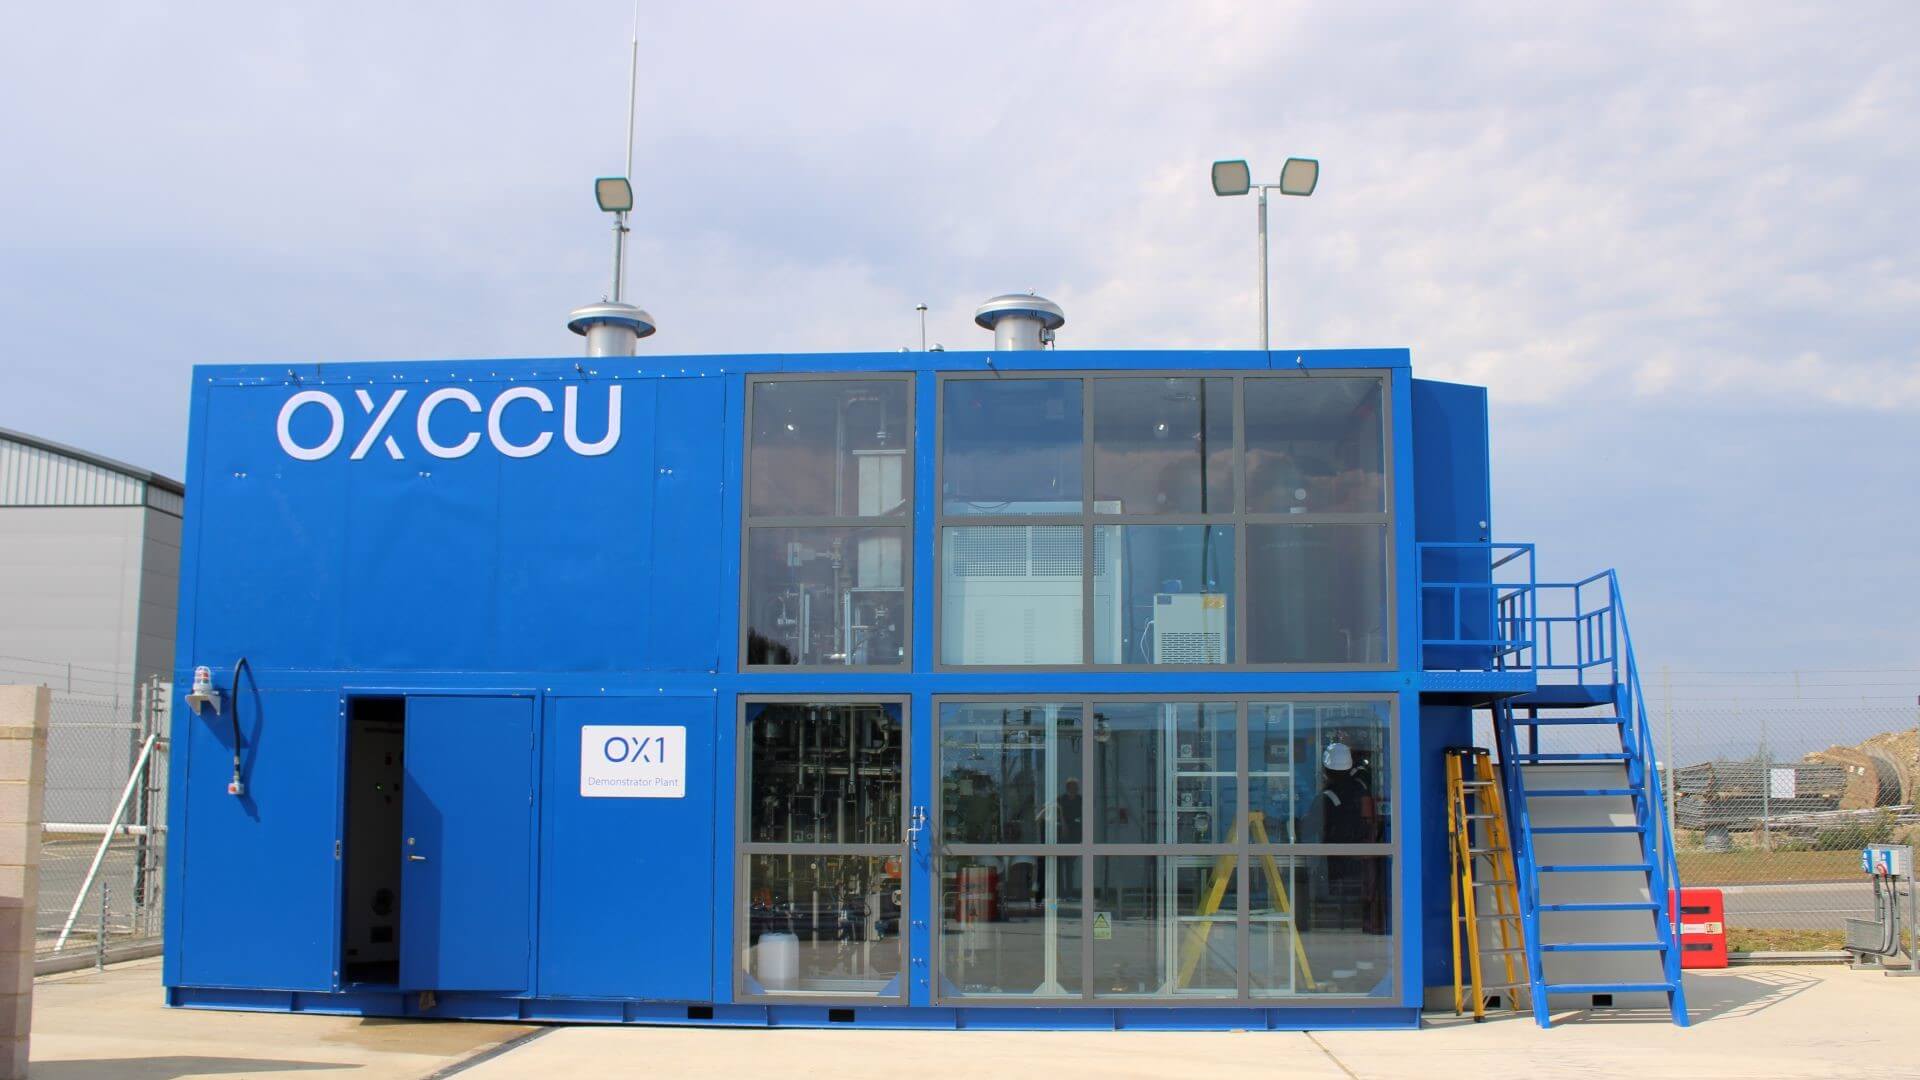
1337,758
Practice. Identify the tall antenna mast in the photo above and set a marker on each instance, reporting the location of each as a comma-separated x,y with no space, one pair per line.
613,326
620,219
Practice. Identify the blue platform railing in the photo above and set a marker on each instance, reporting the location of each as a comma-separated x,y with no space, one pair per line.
1483,608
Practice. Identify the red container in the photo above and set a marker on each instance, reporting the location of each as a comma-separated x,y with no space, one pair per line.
1702,915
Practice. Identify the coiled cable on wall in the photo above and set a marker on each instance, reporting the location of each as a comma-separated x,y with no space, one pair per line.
233,714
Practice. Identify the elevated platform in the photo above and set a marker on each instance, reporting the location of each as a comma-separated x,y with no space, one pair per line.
1475,688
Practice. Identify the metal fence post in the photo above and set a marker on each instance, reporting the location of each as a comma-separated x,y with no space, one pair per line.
100,943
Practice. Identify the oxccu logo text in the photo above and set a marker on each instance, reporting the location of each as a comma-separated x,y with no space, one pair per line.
453,401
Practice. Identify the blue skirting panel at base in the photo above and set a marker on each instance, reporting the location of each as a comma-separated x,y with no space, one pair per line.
582,1011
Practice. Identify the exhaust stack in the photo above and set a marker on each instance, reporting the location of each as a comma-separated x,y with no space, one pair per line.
612,328
1020,320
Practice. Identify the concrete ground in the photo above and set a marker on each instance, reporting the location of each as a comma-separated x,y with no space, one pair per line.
1788,1022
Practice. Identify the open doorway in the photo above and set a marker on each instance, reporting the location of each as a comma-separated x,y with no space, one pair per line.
370,879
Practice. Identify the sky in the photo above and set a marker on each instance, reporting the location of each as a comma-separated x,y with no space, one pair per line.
1676,241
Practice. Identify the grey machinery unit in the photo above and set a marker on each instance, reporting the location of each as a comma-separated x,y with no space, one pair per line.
1882,936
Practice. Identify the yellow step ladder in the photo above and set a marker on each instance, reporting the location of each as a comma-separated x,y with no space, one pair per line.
1215,892
1482,860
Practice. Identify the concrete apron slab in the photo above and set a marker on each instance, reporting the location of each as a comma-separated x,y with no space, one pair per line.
1788,1022
111,1025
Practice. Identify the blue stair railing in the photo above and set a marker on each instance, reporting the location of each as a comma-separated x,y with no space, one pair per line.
1484,608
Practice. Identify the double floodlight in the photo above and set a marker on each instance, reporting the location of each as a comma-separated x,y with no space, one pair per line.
1299,176
614,194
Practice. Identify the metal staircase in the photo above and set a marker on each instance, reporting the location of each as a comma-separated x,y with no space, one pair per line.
1591,837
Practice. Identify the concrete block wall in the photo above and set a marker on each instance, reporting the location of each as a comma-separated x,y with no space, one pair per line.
23,791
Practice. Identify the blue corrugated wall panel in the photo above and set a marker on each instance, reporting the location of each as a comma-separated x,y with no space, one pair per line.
623,909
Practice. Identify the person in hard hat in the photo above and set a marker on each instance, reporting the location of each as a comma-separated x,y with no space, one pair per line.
1342,812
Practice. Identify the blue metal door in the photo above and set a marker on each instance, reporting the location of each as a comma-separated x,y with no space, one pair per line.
467,812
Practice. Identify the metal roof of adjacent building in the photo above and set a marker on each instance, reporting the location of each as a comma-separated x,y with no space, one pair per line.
39,472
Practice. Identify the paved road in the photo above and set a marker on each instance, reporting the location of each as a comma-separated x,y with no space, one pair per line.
1798,907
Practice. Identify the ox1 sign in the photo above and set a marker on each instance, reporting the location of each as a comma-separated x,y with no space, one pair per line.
454,398
631,761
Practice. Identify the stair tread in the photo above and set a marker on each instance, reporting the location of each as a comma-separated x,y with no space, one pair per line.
1602,946
1571,830
1597,756
1602,905
1609,988
1531,793
1591,868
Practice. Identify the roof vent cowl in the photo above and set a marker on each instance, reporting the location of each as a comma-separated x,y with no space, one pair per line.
1020,320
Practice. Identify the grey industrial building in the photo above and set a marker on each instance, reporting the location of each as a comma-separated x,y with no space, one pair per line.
89,569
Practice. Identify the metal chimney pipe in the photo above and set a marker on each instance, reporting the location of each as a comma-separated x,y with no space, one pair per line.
610,327
1020,320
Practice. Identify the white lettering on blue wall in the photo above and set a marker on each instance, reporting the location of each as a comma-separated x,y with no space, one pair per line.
454,412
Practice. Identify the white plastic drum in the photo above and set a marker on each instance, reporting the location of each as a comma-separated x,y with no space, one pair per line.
776,961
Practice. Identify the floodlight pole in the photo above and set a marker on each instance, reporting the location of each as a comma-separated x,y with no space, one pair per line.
619,251
1264,346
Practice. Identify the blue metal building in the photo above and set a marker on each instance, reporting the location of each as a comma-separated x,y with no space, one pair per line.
1028,689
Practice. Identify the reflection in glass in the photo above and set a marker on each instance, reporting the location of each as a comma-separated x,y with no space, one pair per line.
828,449
1319,772
1168,772
1011,446
1317,594
826,595
1010,924
823,923
823,773
1010,773
1342,909
1172,925
1163,446
1315,445
1174,605
1010,594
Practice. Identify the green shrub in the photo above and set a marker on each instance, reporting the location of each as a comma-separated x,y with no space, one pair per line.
1877,830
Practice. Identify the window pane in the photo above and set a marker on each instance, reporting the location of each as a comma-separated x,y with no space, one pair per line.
1010,773
1010,925
1317,594
1011,446
823,773
1320,773
1163,446
829,449
1010,594
1168,772
1342,908
1165,926
1174,604
824,924
1315,445
826,595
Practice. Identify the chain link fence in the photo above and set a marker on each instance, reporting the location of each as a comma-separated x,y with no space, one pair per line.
1771,795
1771,801
103,851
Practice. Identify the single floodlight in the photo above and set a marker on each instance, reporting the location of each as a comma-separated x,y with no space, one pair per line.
1299,176
1232,178
615,195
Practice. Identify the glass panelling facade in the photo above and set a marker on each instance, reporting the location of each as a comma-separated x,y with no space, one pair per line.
1071,847
828,502
822,845
1149,521
1162,849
